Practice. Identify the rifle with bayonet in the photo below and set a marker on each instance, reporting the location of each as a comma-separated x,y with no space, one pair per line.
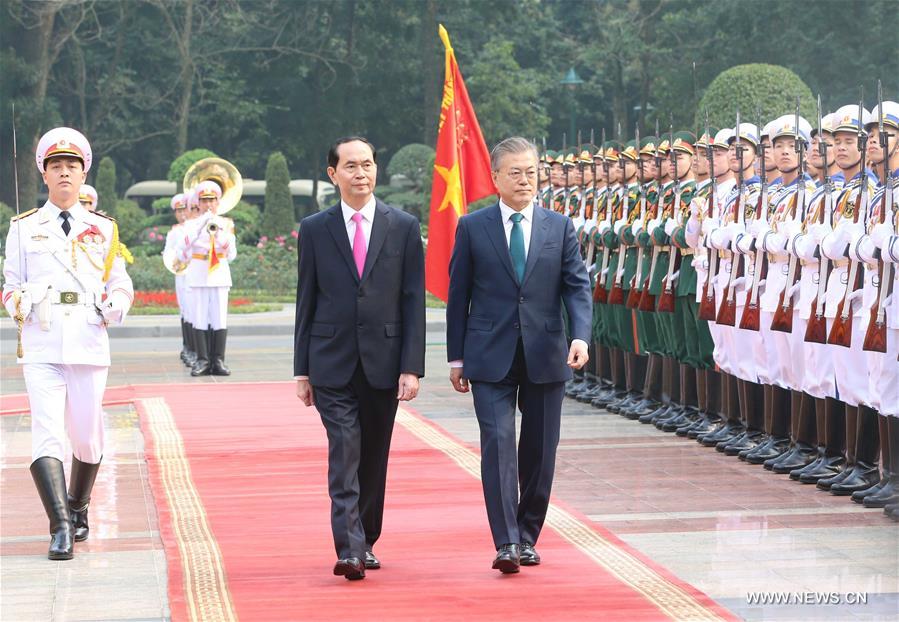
707,305
566,205
876,334
751,318
590,209
600,293
727,313
783,314
578,209
841,331
616,296
666,298
633,296
816,329
647,300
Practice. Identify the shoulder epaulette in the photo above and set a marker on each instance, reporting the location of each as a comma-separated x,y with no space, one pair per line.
21,216
106,216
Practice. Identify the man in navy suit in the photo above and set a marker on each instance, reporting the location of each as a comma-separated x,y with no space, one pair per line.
359,341
513,266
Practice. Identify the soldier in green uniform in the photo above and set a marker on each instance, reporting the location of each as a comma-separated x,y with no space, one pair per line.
620,238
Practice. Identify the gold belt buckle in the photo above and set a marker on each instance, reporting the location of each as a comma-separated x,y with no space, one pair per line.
68,298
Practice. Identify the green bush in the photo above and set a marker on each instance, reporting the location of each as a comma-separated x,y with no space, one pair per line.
770,88
183,162
131,220
107,199
246,222
162,205
415,162
148,273
278,215
270,266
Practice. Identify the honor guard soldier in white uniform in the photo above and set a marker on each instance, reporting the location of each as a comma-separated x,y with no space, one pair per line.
65,280
209,245
177,267
87,196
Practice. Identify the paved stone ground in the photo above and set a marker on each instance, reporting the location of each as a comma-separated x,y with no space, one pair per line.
726,527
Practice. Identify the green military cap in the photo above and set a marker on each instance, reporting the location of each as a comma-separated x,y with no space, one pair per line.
630,151
612,150
707,139
586,155
648,145
664,144
570,158
551,156
683,141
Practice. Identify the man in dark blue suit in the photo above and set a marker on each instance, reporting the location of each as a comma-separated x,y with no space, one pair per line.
359,341
513,267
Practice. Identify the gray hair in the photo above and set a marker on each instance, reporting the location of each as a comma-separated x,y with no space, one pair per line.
515,144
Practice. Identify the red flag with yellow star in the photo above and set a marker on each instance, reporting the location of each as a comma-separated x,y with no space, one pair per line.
461,173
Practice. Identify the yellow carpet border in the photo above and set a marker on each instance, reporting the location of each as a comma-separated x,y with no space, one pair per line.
671,599
205,586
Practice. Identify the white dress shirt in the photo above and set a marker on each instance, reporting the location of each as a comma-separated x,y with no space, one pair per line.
368,217
526,222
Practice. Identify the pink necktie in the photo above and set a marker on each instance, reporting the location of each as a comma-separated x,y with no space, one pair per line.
359,249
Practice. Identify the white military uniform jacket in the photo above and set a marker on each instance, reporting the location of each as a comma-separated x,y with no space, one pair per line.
194,247
75,284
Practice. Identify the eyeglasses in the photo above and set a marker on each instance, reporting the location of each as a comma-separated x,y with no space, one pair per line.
517,174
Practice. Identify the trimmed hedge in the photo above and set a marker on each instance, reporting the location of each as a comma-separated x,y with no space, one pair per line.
771,88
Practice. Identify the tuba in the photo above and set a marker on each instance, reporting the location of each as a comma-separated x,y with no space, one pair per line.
221,172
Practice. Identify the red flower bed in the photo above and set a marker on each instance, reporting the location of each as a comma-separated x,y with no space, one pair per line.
168,299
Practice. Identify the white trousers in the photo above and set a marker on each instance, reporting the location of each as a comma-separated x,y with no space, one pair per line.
210,306
66,400
818,379
884,376
180,294
851,367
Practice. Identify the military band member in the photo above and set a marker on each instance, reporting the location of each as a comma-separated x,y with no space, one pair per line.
61,260
209,245
180,211
87,196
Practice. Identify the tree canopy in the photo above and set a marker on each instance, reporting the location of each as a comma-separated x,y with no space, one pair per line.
148,80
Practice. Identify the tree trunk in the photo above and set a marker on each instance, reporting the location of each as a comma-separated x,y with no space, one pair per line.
186,78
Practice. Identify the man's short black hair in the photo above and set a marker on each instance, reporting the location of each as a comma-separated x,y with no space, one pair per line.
333,156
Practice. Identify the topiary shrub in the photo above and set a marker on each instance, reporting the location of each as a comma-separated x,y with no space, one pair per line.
415,162
278,216
107,200
131,220
771,88
246,222
183,162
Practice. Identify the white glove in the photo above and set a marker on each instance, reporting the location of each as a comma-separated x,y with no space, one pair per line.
670,226
20,299
880,233
709,225
743,244
111,313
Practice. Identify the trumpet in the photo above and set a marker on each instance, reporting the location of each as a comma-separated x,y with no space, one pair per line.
212,227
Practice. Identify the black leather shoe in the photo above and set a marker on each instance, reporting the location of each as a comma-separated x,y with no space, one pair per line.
883,496
747,442
768,451
352,568
529,555
606,397
371,562
508,559
827,482
730,430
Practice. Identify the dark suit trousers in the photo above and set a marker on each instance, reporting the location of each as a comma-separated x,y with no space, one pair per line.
503,471
359,421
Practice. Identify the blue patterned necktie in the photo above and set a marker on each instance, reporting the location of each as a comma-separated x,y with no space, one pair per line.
516,246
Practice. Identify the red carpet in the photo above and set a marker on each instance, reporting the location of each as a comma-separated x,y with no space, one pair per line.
239,474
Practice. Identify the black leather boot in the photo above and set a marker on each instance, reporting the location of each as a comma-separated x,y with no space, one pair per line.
184,347
730,406
81,482
666,404
712,385
831,460
190,357
616,376
652,389
202,365
778,441
50,479
577,383
864,472
219,337
753,414
888,490
805,447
